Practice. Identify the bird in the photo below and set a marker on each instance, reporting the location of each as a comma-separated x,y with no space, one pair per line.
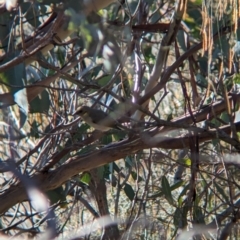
97,119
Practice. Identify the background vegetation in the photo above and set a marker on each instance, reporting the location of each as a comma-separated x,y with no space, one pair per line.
168,71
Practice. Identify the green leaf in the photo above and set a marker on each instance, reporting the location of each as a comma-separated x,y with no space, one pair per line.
236,78
224,116
106,139
34,129
222,192
56,195
129,191
134,176
177,185
106,171
198,216
203,66
113,180
118,135
185,161
41,103
86,178
116,168
173,187
167,190
201,80
216,122
182,40
104,80
210,200
129,162
180,217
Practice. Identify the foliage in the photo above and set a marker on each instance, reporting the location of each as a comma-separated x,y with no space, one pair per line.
167,72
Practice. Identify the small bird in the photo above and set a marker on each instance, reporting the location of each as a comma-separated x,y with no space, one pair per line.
96,118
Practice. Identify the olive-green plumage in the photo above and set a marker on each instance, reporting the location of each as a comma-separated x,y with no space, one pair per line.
96,118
